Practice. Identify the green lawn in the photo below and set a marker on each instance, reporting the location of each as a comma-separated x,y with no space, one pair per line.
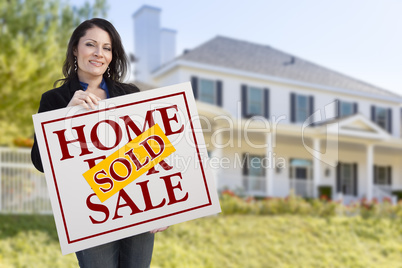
229,241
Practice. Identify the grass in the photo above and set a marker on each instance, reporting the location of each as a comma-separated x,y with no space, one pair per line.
228,241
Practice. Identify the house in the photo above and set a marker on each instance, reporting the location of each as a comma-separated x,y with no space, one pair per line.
275,123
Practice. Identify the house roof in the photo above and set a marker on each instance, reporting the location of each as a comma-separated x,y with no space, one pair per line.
246,56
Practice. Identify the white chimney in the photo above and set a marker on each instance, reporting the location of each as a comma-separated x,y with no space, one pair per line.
168,45
153,46
147,41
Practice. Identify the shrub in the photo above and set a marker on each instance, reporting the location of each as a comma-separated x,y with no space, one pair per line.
295,205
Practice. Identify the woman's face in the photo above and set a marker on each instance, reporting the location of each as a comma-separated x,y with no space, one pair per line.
94,53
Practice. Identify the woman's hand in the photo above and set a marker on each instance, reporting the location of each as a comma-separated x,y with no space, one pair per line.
159,230
85,99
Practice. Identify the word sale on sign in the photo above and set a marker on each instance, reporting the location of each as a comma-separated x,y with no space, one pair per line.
110,171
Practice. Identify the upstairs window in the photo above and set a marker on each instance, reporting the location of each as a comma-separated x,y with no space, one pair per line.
301,107
345,108
255,101
207,90
382,117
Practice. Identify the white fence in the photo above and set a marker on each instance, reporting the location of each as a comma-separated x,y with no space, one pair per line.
22,188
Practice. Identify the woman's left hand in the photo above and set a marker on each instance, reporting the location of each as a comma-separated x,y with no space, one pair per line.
159,230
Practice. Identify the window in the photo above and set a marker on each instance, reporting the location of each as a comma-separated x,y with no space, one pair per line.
300,169
382,116
302,106
207,90
346,178
346,108
254,172
300,177
347,184
255,167
382,175
255,101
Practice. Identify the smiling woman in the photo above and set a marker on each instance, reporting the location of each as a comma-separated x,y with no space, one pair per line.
93,55
94,68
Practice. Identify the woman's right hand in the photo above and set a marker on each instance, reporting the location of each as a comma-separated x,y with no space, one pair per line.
85,99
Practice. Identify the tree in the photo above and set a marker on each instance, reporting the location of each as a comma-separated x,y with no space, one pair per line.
33,41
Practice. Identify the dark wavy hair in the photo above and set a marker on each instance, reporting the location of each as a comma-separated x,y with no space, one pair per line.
119,64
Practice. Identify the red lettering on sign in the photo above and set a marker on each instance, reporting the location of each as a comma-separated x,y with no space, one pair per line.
125,163
170,188
147,197
166,120
129,203
95,138
149,149
104,180
171,191
135,160
63,142
97,207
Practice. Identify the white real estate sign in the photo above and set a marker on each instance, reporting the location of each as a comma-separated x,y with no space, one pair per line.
177,188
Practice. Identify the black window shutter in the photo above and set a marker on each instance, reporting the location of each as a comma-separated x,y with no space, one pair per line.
311,109
266,103
355,108
390,120
292,107
194,84
389,171
338,178
373,113
375,177
337,108
244,100
355,176
219,93
245,161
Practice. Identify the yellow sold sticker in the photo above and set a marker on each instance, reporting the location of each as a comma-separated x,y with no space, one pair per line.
129,162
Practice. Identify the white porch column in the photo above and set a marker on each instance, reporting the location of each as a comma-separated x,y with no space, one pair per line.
269,171
369,171
217,153
316,165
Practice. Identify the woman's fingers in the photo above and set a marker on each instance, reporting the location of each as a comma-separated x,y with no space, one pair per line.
159,230
85,99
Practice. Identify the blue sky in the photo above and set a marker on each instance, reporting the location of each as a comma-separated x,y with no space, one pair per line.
359,38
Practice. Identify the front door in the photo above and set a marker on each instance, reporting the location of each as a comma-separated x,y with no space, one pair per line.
347,178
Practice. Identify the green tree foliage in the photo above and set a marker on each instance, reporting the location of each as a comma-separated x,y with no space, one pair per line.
33,41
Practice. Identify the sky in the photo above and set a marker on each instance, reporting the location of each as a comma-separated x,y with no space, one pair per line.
359,38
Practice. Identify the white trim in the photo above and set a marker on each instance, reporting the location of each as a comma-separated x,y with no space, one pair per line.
176,63
378,132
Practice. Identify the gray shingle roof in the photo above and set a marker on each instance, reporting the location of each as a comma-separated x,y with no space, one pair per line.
261,59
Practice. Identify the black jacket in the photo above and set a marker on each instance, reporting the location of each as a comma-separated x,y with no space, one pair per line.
60,97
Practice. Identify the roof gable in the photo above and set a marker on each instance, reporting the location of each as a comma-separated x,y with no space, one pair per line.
261,59
356,126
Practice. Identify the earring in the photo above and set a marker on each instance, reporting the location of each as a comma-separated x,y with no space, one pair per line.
75,64
108,71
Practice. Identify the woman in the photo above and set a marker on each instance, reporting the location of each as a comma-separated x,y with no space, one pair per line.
94,68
